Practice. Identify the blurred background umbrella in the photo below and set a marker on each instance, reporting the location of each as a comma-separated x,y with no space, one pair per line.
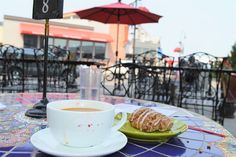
119,13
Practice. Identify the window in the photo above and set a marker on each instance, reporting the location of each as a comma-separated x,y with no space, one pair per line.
100,49
74,47
50,41
30,41
87,49
78,49
61,43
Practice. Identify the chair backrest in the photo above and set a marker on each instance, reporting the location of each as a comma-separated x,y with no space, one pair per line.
12,69
200,81
155,84
61,74
115,80
154,58
140,81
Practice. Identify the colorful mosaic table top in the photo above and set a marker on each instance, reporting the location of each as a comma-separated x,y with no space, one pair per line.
16,130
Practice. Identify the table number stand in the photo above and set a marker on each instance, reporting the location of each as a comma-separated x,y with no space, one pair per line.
45,9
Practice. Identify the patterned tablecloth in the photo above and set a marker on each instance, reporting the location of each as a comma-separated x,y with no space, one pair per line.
16,130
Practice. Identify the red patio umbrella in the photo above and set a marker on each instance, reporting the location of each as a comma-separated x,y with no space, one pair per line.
118,13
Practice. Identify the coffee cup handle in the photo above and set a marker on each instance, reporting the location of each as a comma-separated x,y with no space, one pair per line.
121,122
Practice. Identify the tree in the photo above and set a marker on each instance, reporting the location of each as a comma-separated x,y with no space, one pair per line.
233,56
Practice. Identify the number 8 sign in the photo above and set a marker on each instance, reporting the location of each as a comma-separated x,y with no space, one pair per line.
45,6
47,9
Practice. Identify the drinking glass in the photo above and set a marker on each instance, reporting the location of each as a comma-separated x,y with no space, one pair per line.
90,79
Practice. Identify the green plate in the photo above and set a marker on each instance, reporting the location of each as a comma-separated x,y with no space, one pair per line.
135,134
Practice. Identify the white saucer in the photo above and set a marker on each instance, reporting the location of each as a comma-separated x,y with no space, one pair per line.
45,142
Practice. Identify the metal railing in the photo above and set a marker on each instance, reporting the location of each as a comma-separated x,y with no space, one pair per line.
168,85
21,70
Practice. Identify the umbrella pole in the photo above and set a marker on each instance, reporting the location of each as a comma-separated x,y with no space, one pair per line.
117,40
134,40
117,43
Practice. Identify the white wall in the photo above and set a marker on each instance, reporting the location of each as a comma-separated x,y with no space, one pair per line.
98,27
11,33
1,34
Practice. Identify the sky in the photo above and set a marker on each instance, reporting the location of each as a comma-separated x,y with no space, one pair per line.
201,25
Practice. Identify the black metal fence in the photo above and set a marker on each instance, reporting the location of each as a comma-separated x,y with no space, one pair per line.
21,69
199,82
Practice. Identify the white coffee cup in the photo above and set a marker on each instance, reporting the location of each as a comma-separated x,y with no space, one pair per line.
82,128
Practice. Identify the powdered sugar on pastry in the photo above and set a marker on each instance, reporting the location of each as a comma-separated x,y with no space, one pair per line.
144,118
148,120
141,117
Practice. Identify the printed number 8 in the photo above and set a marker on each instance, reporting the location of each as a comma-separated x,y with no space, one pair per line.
45,7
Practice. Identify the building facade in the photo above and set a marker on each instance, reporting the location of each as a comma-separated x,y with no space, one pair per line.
143,42
87,39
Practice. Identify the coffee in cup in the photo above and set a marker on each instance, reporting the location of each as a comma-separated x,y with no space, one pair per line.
81,109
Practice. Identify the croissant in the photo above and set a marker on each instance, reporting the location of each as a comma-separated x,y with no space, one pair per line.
148,120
